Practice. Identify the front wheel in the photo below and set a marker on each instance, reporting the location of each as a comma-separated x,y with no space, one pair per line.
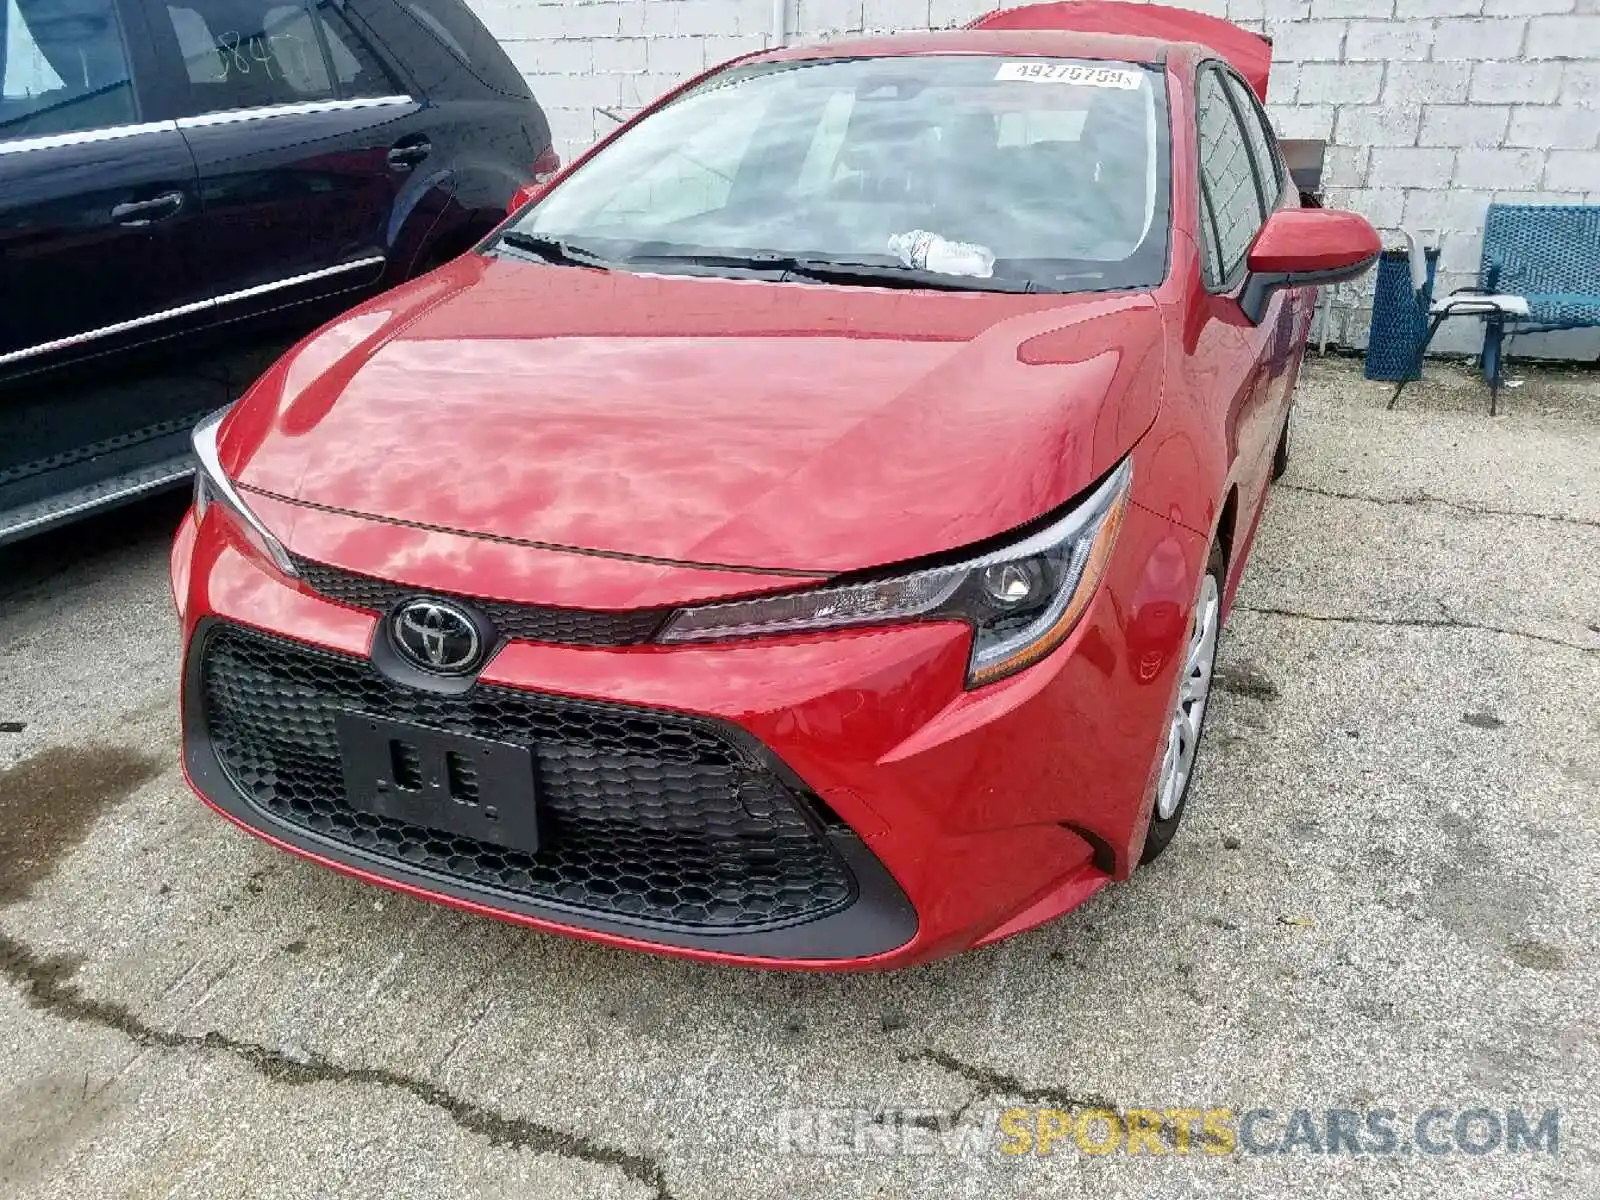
1189,712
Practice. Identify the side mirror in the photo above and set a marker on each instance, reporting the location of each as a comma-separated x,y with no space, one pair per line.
1304,247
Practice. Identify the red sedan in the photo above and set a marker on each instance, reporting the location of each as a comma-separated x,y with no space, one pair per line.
800,536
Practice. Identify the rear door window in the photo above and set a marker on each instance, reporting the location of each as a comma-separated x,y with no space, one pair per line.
452,25
63,68
249,54
244,54
357,69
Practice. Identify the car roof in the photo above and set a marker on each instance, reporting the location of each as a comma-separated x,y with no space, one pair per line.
1039,43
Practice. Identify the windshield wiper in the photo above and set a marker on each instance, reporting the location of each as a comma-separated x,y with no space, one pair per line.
835,270
556,250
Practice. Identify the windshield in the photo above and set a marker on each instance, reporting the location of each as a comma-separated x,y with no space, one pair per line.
1051,173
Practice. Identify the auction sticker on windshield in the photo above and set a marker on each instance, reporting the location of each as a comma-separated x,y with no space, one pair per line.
1071,73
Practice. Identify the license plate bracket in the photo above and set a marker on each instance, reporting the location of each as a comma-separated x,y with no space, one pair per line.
450,782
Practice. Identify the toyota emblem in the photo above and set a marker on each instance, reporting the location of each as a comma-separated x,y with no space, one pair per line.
437,636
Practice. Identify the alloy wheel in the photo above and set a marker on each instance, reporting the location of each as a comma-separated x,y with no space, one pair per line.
1194,690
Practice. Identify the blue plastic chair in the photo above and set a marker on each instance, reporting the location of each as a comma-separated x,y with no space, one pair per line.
1540,272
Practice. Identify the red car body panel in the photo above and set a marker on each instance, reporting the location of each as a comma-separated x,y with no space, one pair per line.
875,721
708,421
1250,53
553,436
439,559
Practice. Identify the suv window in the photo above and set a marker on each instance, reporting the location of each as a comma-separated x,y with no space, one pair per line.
357,70
249,53
1269,174
63,68
1231,202
452,25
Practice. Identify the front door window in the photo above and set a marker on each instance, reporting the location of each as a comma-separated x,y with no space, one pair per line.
63,68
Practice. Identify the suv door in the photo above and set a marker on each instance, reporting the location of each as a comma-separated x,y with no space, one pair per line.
305,139
487,130
96,200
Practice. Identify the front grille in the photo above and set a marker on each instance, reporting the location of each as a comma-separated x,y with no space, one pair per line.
646,816
525,622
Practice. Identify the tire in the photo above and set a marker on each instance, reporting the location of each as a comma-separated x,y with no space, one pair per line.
1194,688
1280,460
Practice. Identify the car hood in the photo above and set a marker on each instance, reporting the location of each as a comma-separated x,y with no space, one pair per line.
702,421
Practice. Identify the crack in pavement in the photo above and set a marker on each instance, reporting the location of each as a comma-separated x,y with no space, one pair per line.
988,1083
1417,499
45,984
1414,623
991,1083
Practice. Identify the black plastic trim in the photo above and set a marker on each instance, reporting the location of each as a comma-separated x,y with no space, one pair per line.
500,620
1105,858
1260,286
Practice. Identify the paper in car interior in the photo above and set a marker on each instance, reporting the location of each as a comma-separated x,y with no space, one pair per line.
1074,74
926,251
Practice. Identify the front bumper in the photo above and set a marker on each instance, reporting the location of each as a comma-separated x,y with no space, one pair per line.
905,817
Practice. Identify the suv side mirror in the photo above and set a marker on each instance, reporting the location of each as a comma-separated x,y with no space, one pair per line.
1304,247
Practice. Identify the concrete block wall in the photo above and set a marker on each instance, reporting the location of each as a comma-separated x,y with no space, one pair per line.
1431,108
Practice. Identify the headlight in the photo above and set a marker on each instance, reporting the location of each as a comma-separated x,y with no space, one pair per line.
212,486
1021,601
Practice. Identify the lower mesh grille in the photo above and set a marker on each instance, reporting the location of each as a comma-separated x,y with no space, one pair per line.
646,816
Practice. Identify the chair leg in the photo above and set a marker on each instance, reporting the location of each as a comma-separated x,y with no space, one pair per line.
1494,361
1416,366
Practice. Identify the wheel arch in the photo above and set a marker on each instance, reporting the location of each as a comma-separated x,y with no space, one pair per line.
1227,531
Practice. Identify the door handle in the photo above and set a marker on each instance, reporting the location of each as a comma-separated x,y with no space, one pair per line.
408,154
143,212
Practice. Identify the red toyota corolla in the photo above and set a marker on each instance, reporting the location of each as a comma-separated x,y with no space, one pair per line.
800,536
